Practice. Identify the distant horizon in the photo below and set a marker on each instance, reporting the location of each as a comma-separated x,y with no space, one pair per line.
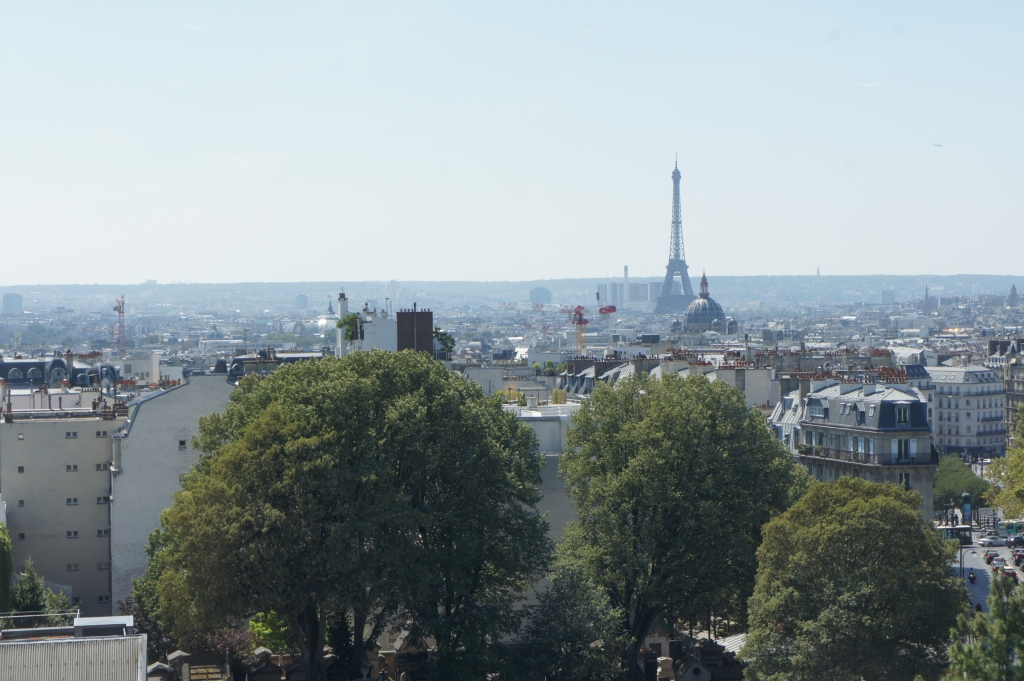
694,277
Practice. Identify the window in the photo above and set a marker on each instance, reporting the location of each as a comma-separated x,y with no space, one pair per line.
71,468
72,567
21,469
103,466
902,414
103,533
21,503
103,566
72,501
871,410
21,535
76,600
72,534
102,500
905,480
104,599
71,434
101,433
815,411
182,444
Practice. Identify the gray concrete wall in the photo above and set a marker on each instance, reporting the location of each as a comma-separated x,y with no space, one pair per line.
152,464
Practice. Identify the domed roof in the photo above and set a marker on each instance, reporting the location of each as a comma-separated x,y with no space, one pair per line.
703,314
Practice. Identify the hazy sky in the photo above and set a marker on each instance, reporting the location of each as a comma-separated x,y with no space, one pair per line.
212,142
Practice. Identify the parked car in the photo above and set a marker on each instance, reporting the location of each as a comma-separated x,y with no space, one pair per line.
991,541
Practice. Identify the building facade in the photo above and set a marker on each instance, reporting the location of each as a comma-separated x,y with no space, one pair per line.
155,454
969,412
55,480
876,433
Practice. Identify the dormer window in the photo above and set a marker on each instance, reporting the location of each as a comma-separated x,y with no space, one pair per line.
902,414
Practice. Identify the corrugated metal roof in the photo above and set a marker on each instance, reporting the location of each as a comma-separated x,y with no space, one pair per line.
116,658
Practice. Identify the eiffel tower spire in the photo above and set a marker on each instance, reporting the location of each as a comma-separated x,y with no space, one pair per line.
669,301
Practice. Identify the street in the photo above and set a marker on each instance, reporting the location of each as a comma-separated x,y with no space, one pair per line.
973,558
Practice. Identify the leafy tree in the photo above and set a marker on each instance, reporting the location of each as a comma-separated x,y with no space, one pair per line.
332,492
5,569
952,479
990,646
446,340
479,541
271,631
673,479
143,604
536,368
1008,473
572,634
852,584
31,595
350,325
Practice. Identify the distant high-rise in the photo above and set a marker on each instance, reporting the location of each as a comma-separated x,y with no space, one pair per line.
13,303
301,302
671,299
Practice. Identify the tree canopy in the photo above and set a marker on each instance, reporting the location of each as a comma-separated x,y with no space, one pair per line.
6,568
353,489
952,479
990,646
852,584
1008,473
673,479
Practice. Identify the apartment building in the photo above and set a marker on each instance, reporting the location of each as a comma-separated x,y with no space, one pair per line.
56,448
877,433
969,412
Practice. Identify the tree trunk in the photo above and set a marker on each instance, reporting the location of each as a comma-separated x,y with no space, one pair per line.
310,634
359,617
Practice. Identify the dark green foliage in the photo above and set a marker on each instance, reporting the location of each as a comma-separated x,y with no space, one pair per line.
851,584
572,634
31,595
6,569
376,484
990,646
350,325
952,479
673,480
445,339
144,603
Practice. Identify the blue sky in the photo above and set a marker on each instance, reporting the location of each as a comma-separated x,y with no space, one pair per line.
196,141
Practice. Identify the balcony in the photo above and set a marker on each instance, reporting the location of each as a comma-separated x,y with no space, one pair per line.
876,459
990,419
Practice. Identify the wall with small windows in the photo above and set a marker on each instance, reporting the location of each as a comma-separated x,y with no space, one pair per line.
54,471
155,455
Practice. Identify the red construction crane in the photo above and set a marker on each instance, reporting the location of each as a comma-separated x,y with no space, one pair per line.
580,322
119,309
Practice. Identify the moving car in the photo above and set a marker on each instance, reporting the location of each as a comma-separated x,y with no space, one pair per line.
991,541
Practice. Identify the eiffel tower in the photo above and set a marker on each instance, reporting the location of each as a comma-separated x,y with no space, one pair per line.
670,301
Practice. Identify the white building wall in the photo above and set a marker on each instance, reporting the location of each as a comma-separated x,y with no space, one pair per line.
54,485
152,464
